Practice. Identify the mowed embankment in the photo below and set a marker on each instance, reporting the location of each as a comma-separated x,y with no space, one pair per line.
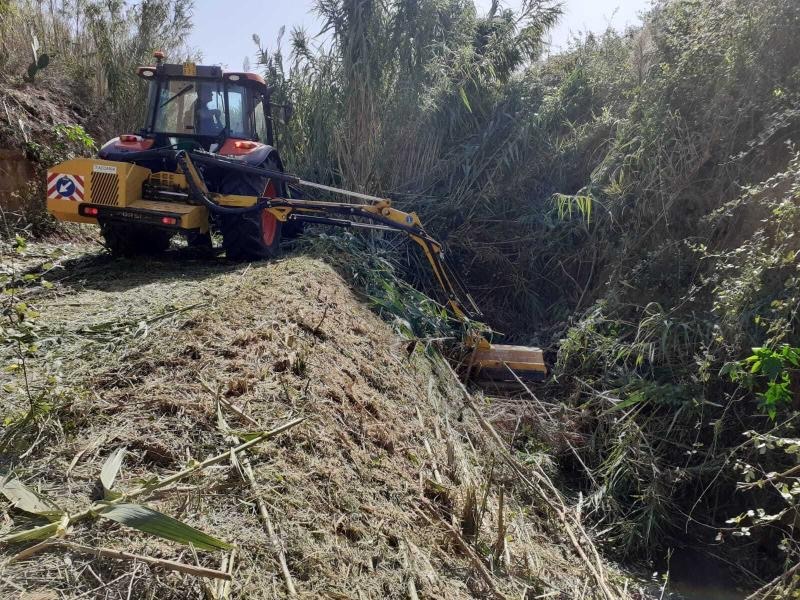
388,488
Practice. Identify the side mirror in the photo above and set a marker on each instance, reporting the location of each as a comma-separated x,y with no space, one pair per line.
288,111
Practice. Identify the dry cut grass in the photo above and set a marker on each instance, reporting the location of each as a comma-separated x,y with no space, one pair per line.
390,488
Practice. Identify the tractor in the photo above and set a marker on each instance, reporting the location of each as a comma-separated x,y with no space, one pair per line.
190,108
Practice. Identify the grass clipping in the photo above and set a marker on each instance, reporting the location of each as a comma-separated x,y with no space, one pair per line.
388,489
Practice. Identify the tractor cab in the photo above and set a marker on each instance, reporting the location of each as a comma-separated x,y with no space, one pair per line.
196,107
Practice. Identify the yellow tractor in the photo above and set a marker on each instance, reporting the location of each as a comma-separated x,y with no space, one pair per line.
204,157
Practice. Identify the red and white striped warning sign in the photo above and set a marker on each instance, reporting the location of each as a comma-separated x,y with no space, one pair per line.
61,186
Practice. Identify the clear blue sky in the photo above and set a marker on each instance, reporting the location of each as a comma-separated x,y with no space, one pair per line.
223,28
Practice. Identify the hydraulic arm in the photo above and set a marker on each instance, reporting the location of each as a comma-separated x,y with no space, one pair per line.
486,360
115,193
378,215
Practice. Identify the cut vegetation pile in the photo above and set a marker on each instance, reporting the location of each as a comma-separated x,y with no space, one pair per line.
392,485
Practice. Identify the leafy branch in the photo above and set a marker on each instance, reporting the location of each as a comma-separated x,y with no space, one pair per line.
117,506
773,367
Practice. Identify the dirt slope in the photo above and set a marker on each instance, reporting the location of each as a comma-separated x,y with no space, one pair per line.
142,354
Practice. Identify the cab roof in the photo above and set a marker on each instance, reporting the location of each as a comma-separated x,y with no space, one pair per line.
191,70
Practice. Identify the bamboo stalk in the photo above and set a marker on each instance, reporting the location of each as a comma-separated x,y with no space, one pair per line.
226,584
227,404
273,538
46,531
767,590
247,472
552,420
473,557
434,467
411,587
216,591
117,554
500,543
28,552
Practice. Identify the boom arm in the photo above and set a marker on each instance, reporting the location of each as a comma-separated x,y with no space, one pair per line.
180,200
382,216
377,215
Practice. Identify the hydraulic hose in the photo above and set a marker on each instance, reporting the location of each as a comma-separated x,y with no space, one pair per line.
233,165
197,194
445,274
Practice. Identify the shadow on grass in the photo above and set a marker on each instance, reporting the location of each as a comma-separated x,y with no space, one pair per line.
98,270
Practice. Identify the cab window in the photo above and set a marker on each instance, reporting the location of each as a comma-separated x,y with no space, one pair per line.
238,126
190,107
261,122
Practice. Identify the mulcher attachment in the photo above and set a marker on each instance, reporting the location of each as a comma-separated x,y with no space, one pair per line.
499,363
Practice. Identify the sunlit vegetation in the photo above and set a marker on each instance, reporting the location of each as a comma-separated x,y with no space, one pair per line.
631,202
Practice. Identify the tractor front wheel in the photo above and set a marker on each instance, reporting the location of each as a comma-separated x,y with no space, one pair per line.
252,235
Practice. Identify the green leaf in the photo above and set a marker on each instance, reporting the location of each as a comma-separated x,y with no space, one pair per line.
110,470
771,367
464,98
629,401
30,534
24,498
731,369
792,355
158,524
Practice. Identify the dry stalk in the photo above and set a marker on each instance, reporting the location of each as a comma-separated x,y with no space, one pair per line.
766,591
273,538
473,557
214,592
47,531
434,467
96,443
8,582
500,543
225,593
247,473
547,492
553,421
170,565
227,404
105,585
411,587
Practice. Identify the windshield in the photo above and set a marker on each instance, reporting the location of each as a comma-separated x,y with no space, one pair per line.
185,107
190,107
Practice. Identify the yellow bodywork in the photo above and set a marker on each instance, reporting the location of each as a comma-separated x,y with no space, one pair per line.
495,359
118,185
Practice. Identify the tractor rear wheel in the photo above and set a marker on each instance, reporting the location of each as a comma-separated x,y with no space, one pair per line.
252,235
124,239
